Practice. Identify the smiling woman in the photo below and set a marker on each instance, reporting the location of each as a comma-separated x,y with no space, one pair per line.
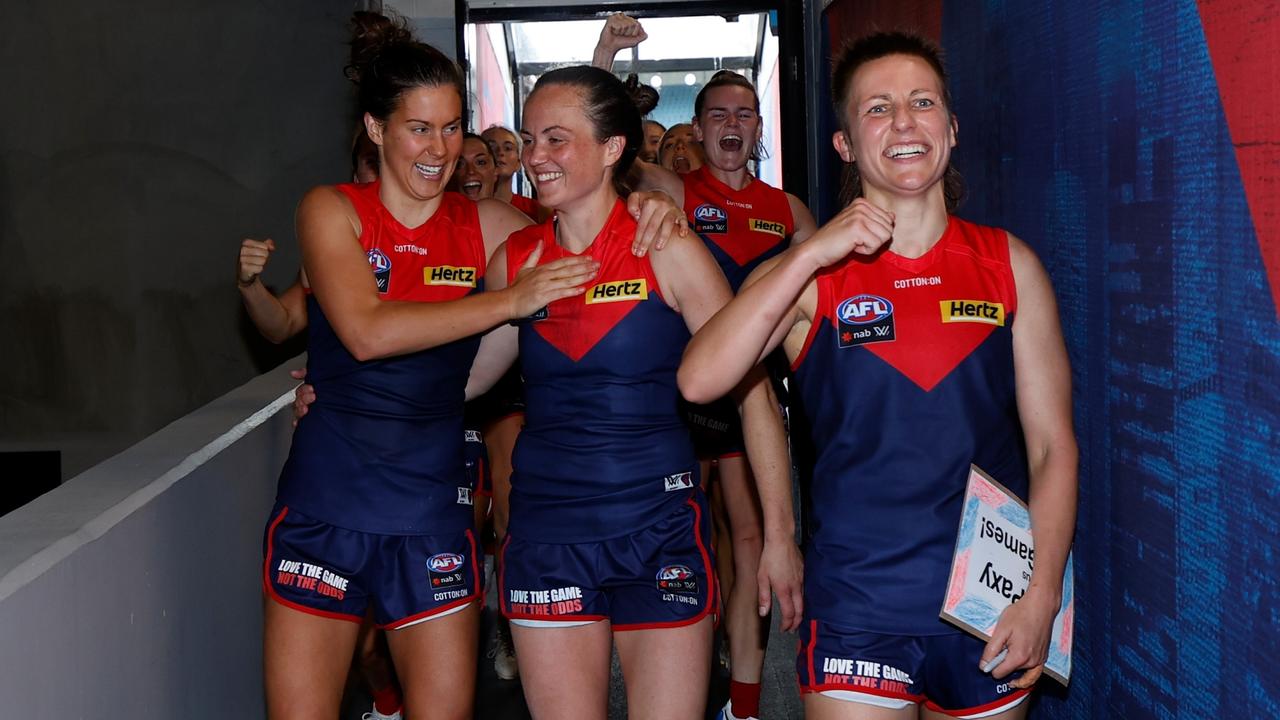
370,515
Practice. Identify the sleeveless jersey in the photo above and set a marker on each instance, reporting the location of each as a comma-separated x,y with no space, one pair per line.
381,449
603,452
907,378
742,228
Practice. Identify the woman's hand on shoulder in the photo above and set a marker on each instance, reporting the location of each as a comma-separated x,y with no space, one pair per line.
658,219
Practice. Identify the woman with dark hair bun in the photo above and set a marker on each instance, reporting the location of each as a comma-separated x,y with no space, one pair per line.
608,538
372,509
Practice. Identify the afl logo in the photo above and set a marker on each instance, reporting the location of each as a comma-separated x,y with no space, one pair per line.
379,261
445,562
864,309
709,213
675,572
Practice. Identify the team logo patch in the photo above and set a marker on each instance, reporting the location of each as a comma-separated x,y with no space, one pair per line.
864,319
976,311
679,481
708,218
449,275
472,436
618,291
446,569
464,495
765,226
381,265
677,579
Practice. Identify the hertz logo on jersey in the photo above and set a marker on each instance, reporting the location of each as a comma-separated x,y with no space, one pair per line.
449,275
618,291
978,311
765,226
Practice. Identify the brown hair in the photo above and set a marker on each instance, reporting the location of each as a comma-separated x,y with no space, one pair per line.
874,47
386,62
608,108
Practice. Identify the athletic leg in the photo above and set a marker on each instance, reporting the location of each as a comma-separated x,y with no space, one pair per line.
666,671
748,633
437,662
305,661
374,661
565,670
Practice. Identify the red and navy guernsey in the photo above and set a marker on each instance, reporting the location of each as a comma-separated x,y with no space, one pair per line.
907,378
604,452
381,449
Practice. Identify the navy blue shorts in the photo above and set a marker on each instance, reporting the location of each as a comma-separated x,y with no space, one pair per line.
660,577
938,671
337,573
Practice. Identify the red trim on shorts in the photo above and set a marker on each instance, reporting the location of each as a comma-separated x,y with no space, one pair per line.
476,593
270,589
397,624
712,581
731,454
813,642
994,705
475,566
804,690
557,618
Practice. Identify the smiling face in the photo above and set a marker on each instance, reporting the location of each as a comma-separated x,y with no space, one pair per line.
900,133
476,173
420,141
680,150
561,153
506,151
729,126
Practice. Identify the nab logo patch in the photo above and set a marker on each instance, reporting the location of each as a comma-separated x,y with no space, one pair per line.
472,436
677,579
619,291
449,275
764,226
708,218
864,319
464,496
679,481
446,569
978,311
381,265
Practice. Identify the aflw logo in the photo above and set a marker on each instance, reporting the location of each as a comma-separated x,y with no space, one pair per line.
619,291
978,311
773,228
449,275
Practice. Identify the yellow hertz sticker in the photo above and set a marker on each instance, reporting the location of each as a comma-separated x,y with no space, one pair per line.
977,311
619,291
449,275
773,228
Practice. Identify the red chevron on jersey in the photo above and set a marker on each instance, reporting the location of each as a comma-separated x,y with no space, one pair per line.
442,259
574,325
744,223
923,316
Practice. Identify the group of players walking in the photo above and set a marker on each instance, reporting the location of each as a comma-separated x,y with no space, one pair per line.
643,299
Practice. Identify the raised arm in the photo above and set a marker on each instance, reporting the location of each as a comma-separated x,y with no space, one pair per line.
277,318
1042,376
619,32
369,328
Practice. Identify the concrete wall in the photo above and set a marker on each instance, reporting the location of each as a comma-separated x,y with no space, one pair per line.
134,589
140,142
